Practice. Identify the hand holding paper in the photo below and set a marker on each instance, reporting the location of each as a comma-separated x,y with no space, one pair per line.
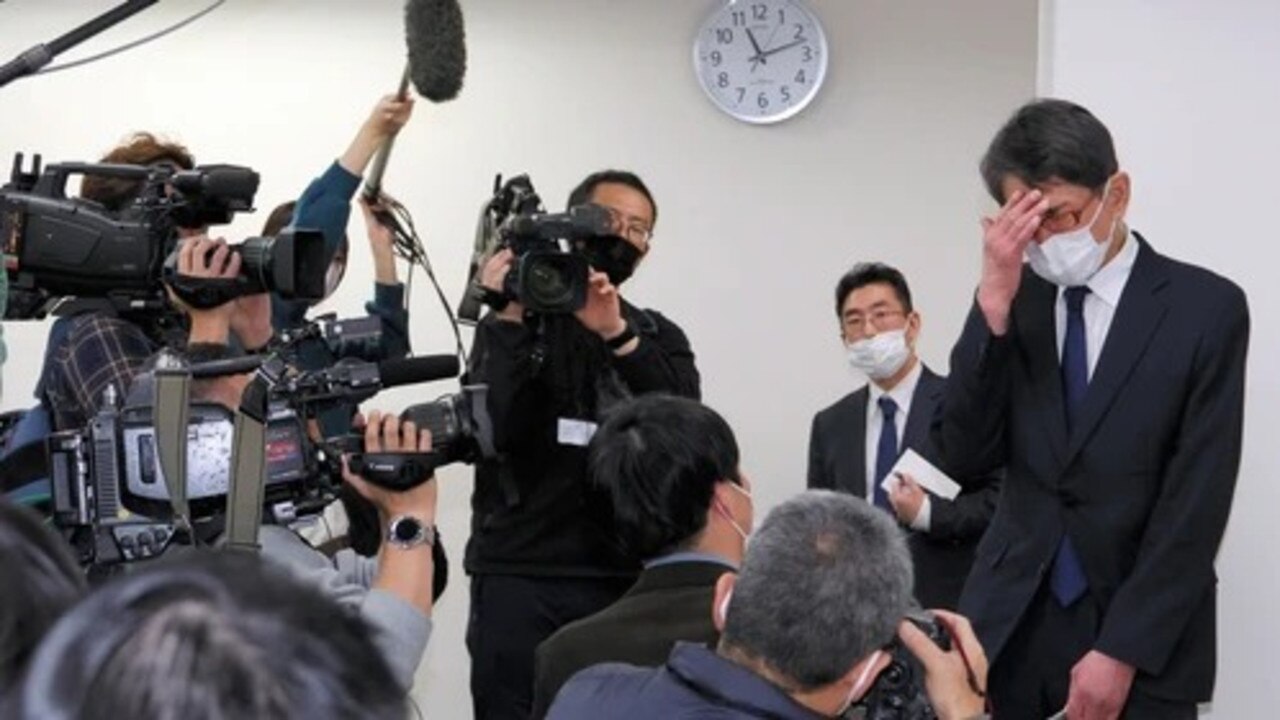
924,473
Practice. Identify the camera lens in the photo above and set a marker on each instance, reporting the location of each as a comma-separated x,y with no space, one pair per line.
546,283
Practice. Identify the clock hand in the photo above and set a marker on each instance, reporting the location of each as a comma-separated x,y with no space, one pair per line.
759,57
779,49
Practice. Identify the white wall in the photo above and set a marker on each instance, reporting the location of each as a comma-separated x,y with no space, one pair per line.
756,223
1188,89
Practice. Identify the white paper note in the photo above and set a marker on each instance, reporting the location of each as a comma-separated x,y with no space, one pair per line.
924,473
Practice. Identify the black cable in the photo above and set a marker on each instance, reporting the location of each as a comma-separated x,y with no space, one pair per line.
136,43
408,246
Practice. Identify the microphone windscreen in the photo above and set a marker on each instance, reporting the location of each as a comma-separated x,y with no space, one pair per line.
437,47
410,371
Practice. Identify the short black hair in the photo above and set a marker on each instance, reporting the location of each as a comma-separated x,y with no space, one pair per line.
658,458
209,634
41,581
870,273
582,193
1050,139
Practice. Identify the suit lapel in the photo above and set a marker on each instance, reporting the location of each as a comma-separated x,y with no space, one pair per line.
853,445
924,403
1037,326
1139,314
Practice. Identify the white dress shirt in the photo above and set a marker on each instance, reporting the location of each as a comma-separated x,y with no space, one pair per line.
902,393
1105,288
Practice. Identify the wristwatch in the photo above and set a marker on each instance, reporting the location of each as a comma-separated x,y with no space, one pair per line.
627,335
406,532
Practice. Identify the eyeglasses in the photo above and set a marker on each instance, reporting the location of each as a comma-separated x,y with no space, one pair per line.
856,325
631,228
1058,220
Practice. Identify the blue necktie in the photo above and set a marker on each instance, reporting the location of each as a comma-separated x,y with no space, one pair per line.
886,451
1067,578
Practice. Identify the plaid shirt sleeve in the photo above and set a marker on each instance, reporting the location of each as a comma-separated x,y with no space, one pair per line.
100,351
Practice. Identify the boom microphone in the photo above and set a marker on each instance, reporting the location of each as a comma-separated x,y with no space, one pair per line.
436,39
437,47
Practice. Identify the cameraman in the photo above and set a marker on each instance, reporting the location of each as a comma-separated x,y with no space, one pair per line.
542,551
394,591
89,352
804,629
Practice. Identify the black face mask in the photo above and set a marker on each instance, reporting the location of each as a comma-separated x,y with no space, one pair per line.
611,255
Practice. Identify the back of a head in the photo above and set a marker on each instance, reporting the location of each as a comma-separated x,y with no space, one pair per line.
209,635
141,148
1050,139
825,582
658,458
41,581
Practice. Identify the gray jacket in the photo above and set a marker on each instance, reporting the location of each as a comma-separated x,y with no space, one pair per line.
402,630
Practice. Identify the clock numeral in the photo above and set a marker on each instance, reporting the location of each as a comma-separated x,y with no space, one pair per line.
782,16
723,81
808,53
742,93
724,36
799,33
716,58
760,12
739,18
800,78
762,101
786,94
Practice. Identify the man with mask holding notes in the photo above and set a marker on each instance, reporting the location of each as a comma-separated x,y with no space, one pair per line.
874,443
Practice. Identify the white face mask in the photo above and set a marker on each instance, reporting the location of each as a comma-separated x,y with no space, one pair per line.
1069,259
855,692
880,356
724,511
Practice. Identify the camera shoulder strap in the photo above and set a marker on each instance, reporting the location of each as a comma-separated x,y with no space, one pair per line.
170,416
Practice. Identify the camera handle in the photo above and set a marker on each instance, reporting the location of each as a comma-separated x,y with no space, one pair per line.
30,62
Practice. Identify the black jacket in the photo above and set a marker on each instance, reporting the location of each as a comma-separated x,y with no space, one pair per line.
532,510
668,604
837,461
1144,482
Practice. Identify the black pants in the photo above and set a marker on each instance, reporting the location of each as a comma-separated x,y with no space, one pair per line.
1032,676
510,616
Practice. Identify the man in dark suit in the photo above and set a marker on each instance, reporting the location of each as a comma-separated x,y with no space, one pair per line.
1109,381
669,466
856,442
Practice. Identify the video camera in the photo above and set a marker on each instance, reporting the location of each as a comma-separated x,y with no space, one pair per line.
109,494
553,251
58,247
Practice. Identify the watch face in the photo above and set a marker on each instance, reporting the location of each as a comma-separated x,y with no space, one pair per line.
761,61
406,531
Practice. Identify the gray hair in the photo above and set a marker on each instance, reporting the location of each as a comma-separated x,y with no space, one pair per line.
825,582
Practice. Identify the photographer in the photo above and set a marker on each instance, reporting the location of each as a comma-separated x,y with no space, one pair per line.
542,551
670,468
804,629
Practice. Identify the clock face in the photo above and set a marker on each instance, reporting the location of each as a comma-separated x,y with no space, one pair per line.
761,61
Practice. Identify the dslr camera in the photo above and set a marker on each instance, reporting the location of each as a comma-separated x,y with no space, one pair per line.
898,693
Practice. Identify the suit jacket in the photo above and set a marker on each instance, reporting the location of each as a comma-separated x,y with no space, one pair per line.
837,461
1143,483
668,603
